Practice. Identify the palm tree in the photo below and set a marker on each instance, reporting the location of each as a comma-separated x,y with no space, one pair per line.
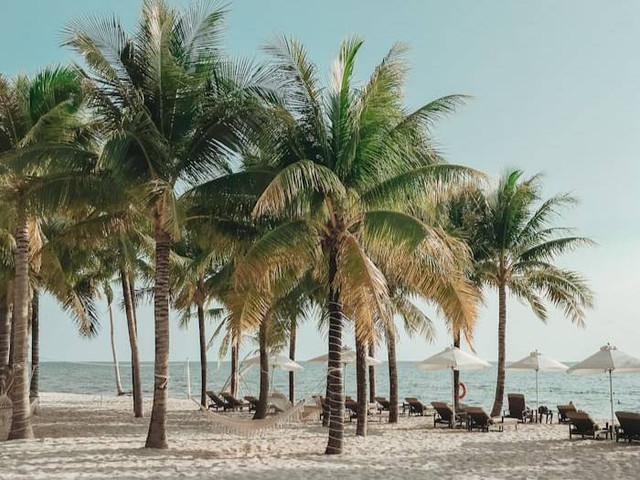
171,111
346,160
515,245
36,114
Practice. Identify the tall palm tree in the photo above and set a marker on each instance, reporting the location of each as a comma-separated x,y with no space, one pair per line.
515,246
346,160
36,114
171,111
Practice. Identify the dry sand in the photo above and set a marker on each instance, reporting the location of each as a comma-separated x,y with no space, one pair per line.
81,436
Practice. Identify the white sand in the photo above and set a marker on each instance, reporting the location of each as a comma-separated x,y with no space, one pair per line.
82,436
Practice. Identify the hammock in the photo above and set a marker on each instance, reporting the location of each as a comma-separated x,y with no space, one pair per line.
250,428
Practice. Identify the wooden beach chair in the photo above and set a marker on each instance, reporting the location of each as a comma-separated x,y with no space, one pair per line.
234,403
478,419
580,423
217,402
629,428
518,408
406,406
351,408
253,402
444,415
382,404
563,411
416,407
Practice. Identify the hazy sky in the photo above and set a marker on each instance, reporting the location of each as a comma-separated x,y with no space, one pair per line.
556,90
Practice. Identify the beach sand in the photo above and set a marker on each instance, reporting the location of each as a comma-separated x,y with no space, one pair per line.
82,436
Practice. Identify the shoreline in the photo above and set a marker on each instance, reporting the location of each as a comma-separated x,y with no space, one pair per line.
93,436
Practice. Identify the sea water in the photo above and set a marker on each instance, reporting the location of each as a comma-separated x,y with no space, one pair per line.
587,393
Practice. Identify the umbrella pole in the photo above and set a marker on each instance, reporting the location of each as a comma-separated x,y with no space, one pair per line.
611,399
537,402
453,400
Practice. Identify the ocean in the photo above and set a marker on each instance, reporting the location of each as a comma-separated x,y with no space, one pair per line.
587,393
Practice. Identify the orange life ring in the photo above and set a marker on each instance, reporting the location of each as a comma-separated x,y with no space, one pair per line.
462,394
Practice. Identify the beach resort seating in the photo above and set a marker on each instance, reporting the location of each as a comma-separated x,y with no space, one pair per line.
234,403
416,407
580,423
563,411
406,407
478,419
217,402
518,408
351,408
629,428
253,402
444,415
383,405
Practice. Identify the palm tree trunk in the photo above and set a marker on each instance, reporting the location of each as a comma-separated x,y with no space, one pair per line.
21,419
456,374
116,367
261,408
292,356
34,390
334,375
361,381
393,375
12,337
203,356
372,374
133,343
234,366
326,405
157,436
5,332
502,330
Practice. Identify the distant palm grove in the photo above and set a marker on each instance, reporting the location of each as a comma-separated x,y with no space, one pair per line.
250,196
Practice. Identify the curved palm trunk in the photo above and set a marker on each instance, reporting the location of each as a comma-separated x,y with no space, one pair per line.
116,366
12,336
361,381
261,408
292,356
203,356
334,375
133,343
21,419
393,375
502,330
234,367
157,436
456,374
372,374
34,388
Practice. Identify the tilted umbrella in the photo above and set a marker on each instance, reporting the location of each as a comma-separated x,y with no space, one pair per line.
349,357
280,362
452,358
537,361
607,360
277,361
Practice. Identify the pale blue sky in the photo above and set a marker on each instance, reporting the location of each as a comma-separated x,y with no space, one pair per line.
555,87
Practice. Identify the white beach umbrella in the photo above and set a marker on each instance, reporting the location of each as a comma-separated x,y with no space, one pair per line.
277,361
607,360
349,357
537,361
452,358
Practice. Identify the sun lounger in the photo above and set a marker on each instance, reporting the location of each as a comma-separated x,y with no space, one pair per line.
217,402
444,415
234,403
580,423
478,419
563,411
383,405
406,406
253,402
518,408
351,408
629,428
416,407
